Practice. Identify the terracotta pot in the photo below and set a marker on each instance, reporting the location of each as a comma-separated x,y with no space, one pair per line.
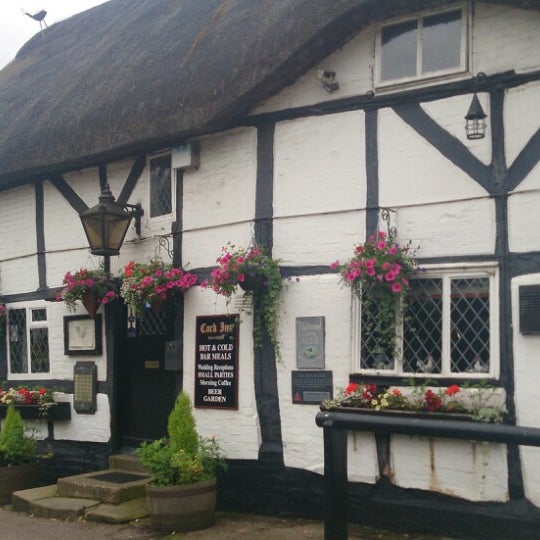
91,301
253,282
182,508
16,478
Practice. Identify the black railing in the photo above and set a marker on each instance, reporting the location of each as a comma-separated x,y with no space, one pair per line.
335,425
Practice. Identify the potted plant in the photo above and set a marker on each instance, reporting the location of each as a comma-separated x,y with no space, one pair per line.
150,284
258,275
378,274
91,287
182,495
18,457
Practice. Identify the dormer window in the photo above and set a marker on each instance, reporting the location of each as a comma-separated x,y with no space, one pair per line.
424,47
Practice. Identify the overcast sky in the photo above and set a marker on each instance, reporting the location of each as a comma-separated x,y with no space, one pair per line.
16,28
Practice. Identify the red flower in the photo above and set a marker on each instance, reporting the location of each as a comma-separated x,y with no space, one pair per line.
351,388
451,390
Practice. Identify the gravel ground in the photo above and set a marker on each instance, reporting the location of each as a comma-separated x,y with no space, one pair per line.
229,526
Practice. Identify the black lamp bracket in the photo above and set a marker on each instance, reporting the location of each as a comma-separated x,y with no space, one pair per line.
386,217
137,213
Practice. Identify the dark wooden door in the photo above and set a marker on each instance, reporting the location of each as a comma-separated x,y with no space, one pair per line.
146,391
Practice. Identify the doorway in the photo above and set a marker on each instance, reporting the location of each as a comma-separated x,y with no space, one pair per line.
146,391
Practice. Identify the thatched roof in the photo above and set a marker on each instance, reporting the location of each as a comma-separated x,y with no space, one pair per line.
131,75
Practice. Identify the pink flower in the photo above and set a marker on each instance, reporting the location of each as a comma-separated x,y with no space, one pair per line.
396,287
204,283
381,245
334,265
393,250
389,276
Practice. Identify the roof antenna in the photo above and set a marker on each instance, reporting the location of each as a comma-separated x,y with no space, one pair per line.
39,16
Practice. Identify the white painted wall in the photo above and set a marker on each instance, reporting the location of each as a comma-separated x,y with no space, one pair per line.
504,39
237,431
526,376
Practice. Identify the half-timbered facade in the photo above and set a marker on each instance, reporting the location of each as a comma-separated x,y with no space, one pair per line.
305,126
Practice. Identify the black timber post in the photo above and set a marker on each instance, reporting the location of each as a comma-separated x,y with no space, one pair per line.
335,483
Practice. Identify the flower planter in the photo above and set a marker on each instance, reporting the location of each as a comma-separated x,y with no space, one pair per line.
16,478
253,282
182,508
91,301
403,413
51,411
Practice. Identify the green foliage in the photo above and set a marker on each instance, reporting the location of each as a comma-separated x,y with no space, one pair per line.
237,266
181,425
183,458
16,448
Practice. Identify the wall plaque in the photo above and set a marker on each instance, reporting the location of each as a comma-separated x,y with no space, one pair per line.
310,342
84,387
216,362
311,387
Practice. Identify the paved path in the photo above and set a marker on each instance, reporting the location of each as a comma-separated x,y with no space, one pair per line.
229,526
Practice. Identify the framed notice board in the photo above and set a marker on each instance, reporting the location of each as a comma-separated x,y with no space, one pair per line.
216,362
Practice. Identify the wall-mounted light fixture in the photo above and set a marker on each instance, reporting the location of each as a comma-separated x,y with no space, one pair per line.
475,119
327,79
106,224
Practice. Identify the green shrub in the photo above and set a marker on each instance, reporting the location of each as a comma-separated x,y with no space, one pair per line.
16,447
183,458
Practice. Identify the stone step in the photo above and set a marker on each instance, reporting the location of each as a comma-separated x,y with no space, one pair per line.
118,513
126,462
21,500
61,508
112,486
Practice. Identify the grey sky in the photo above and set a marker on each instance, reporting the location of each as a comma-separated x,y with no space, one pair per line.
16,28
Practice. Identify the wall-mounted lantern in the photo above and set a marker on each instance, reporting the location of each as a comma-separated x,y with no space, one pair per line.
106,224
475,120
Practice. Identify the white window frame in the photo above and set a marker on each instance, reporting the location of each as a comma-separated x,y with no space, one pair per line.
164,217
465,51
446,273
30,324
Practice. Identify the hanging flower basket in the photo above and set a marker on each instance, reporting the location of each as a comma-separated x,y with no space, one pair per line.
378,274
253,282
91,301
91,287
148,285
256,273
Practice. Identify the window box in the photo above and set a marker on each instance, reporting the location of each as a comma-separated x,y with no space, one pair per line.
52,411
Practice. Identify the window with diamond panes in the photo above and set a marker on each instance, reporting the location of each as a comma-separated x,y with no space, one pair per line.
153,324
376,351
160,186
28,341
422,328
446,329
18,355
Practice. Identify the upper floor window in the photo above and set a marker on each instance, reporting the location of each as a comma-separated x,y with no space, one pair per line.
28,341
160,186
427,46
448,329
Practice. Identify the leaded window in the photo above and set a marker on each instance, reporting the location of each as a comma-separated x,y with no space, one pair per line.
160,186
447,329
28,341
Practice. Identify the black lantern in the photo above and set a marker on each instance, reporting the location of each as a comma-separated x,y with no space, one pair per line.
475,120
106,224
